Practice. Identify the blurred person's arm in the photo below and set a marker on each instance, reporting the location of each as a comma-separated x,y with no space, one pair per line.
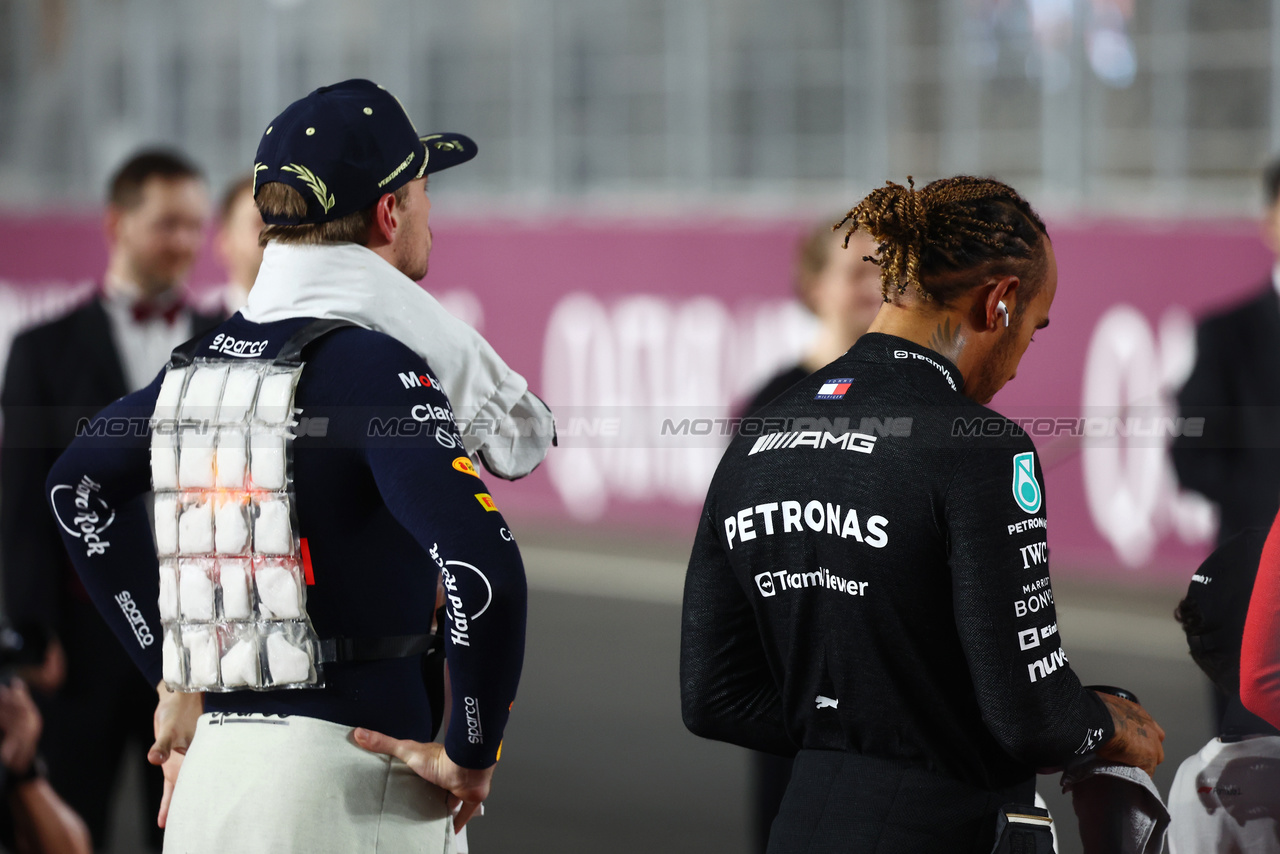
727,691
30,552
45,824
1030,698
42,821
1260,646
1203,462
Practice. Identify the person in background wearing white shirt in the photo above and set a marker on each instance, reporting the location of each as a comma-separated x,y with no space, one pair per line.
58,375
236,242
1226,797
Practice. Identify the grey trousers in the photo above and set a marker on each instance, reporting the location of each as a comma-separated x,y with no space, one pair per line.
254,783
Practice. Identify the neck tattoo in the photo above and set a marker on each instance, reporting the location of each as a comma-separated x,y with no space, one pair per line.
947,340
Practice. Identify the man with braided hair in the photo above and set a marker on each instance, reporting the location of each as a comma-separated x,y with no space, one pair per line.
869,589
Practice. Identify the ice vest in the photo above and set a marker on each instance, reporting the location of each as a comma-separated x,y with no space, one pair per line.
232,592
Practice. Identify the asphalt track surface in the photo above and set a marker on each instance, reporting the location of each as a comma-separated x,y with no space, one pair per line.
596,759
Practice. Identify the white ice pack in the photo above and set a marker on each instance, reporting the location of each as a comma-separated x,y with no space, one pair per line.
164,461
200,400
272,533
278,593
240,664
170,394
195,529
195,460
202,655
237,397
195,589
168,591
231,525
171,659
235,590
274,398
267,464
166,516
288,664
231,460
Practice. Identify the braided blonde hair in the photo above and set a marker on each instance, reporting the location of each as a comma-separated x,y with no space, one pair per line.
944,239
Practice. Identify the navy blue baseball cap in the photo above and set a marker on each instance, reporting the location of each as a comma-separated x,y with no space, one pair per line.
343,146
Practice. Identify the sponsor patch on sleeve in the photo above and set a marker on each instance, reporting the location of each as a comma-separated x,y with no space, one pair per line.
464,465
486,501
1026,489
834,389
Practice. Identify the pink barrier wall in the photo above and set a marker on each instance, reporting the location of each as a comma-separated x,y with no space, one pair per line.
621,326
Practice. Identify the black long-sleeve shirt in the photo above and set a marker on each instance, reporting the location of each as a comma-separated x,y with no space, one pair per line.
388,504
871,574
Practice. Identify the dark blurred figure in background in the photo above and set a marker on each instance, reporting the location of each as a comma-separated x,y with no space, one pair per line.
842,289
1226,797
57,374
843,292
236,241
1235,387
36,821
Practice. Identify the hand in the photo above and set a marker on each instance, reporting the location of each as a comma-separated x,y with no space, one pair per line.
170,768
49,675
21,724
1138,737
175,727
467,787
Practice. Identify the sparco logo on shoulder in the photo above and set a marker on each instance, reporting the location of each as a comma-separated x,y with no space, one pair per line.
239,347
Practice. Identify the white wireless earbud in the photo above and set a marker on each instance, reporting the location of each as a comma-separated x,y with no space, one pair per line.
1003,310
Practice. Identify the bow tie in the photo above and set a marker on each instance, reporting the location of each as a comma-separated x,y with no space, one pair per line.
144,310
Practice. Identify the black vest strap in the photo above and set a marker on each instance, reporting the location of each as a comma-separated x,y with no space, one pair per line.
290,351
373,649
185,352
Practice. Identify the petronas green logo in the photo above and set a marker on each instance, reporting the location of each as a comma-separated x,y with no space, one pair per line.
1026,490
312,180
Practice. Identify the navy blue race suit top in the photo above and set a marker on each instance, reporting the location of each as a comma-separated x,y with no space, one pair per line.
387,503
871,575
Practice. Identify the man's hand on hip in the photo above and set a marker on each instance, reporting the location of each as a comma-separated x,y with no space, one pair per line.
175,726
1138,737
467,787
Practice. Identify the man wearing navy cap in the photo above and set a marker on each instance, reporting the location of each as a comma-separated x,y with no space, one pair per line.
313,489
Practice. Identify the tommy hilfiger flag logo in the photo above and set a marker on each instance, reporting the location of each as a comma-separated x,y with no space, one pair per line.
834,389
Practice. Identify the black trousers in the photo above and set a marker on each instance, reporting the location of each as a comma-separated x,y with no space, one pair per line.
845,802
